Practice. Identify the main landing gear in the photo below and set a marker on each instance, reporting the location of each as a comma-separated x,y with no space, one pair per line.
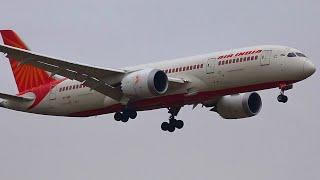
283,98
125,115
173,123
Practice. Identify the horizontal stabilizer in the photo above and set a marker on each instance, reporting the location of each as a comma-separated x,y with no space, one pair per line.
15,98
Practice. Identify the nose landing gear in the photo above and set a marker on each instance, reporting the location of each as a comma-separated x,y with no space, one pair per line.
283,98
125,115
173,123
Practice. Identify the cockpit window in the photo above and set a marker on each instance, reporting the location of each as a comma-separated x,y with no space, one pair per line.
300,54
292,55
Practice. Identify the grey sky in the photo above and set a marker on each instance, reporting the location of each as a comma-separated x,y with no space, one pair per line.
282,142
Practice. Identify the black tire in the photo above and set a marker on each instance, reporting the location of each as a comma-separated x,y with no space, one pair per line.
179,124
125,118
282,98
171,128
164,126
133,114
118,116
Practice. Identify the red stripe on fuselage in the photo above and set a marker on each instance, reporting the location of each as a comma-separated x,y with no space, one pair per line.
179,99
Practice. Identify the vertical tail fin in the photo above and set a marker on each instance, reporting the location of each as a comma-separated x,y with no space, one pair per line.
26,76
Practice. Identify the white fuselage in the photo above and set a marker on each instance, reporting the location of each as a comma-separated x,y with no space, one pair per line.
212,76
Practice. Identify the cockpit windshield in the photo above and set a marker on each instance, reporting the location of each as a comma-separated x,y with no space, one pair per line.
300,54
292,54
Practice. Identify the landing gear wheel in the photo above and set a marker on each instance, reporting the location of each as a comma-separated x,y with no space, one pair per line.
179,124
173,123
164,126
133,114
284,87
282,98
171,128
125,115
118,116
125,118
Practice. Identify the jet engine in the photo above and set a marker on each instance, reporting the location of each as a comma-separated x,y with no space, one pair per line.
239,106
145,83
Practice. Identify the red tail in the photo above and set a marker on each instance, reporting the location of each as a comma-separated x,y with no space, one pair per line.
26,76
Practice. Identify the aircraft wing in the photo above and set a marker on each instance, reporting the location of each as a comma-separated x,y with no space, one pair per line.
15,98
102,80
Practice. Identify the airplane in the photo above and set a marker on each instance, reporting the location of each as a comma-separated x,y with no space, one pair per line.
224,82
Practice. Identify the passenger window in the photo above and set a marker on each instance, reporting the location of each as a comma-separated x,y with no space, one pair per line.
190,67
292,55
184,69
173,70
195,67
169,70
201,66
234,61
222,62
256,57
187,68
177,69
227,62
252,58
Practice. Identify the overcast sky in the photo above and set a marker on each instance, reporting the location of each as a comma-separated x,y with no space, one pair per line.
282,142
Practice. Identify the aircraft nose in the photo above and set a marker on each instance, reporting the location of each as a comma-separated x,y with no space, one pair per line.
308,68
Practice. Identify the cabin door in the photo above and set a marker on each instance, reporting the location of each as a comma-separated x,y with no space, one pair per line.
210,65
265,57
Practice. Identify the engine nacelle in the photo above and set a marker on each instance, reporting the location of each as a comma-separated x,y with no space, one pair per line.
239,106
145,83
